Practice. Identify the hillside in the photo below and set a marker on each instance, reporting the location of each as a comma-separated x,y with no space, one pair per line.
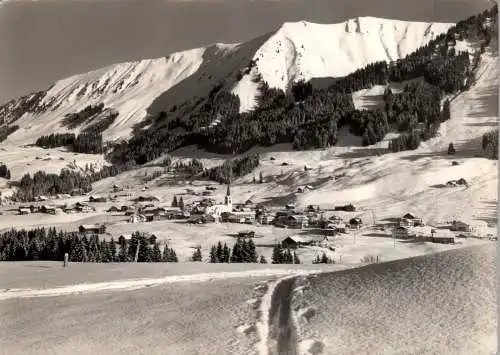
295,51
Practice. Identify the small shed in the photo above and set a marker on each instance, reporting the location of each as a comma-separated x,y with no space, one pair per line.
246,234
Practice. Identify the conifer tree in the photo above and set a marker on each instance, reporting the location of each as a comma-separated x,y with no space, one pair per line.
261,178
197,255
181,204
219,253
156,253
296,259
112,249
174,202
213,255
226,253
262,260
451,149
277,257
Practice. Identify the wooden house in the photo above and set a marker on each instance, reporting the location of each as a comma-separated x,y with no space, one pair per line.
401,232
461,226
410,220
246,234
94,229
96,199
297,221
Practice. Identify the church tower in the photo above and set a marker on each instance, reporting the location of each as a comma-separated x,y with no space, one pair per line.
227,200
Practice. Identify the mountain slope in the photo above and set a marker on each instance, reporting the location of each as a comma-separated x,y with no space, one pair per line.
296,51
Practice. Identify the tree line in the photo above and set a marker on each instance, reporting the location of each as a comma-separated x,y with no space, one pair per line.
6,131
49,244
490,144
232,169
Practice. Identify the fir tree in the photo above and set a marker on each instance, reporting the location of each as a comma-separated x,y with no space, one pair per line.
197,255
112,249
261,178
181,204
219,253
262,260
451,149
277,256
174,202
296,259
226,253
213,255
156,254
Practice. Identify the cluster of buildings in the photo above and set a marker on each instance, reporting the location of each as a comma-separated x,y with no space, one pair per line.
79,207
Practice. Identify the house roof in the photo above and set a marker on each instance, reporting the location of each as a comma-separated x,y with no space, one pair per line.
90,226
297,239
409,216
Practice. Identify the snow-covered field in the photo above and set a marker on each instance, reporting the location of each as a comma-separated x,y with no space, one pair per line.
438,304
435,304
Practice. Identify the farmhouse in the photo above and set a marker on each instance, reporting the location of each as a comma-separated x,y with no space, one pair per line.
401,233
95,229
294,242
137,218
461,226
246,234
297,221
24,210
410,220
97,199
355,222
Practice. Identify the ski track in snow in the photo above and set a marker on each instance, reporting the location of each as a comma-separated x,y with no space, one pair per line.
130,285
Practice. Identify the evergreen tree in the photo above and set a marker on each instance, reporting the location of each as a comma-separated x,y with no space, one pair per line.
262,260
252,252
219,254
174,202
445,114
451,149
277,256
197,255
181,204
296,259
112,250
213,255
261,178
123,252
226,253
156,254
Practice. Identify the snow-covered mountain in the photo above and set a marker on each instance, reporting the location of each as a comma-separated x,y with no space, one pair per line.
299,50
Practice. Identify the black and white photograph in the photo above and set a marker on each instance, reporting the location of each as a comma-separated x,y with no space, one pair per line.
248,177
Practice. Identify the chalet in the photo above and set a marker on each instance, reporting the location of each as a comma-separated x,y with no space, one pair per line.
137,218
297,221
210,188
302,189
461,226
95,229
69,210
117,188
355,222
84,209
451,183
265,218
48,209
24,210
313,208
346,208
113,209
246,234
338,227
146,199
77,192
410,220
294,242
401,233
241,217
97,199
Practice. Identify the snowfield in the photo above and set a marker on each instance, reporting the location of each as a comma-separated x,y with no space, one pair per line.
437,304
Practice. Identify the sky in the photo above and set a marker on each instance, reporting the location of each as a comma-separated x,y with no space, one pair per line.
47,40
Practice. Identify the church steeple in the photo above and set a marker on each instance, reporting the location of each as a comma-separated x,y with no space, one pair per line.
227,200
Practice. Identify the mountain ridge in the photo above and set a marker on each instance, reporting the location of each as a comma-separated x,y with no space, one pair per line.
295,51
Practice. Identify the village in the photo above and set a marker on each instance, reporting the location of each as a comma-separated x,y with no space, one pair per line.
303,227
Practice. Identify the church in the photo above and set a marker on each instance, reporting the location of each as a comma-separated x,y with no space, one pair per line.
217,210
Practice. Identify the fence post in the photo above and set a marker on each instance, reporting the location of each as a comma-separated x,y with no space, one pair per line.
66,257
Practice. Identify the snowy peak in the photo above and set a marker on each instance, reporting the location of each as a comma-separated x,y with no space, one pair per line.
304,50
297,50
